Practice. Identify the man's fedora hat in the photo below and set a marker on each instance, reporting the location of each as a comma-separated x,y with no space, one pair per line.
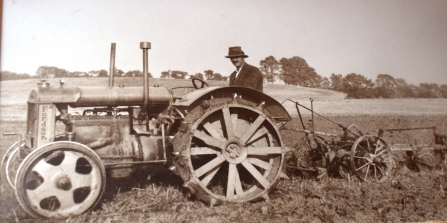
236,51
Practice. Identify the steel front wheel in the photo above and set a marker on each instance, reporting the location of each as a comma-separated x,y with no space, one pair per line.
371,159
233,152
59,180
11,162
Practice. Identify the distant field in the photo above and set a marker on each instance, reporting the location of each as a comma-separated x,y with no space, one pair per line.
14,94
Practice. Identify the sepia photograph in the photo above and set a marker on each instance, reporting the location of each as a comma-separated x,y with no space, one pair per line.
223,111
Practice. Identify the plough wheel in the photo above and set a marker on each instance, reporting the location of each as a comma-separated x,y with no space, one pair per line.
10,163
371,159
228,150
60,179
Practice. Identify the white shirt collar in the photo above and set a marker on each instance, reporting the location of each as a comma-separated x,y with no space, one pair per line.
238,70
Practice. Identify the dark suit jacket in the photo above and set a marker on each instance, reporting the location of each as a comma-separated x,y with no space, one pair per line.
249,76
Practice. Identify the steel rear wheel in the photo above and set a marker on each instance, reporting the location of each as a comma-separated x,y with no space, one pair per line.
371,159
10,163
59,180
231,151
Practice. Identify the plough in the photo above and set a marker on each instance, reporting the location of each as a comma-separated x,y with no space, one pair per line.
367,156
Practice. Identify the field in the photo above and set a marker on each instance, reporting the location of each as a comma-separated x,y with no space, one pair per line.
407,197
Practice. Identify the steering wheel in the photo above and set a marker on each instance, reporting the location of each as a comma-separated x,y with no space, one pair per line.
203,83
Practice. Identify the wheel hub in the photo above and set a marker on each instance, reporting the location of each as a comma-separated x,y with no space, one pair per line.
233,151
377,160
63,183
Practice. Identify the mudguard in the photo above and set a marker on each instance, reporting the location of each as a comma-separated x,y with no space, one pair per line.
189,101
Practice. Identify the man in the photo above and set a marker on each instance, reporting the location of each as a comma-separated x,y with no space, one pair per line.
245,74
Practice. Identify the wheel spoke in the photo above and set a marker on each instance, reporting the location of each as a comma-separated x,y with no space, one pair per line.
252,129
381,170
263,150
45,169
368,163
238,184
258,134
260,163
379,146
213,132
43,191
209,140
366,151
368,144
381,152
209,176
234,117
375,173
228,122
255,173
68,165
82,181
232,171
367,170
209,166
203,151
66,199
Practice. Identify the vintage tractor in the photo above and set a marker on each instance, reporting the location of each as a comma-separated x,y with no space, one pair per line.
224,142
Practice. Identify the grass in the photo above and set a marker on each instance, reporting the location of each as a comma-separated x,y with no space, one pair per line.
295,200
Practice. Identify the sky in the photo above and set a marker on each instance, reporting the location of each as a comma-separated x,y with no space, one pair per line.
403,38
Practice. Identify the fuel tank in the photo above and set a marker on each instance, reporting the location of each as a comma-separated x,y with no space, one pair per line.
99,96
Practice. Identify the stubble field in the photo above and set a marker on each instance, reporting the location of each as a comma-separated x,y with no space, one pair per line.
407,197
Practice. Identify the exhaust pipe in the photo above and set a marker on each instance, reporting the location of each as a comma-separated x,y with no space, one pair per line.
112,65
145,46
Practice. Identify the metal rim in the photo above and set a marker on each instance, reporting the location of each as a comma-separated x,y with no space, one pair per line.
371,159
10,163
60,179
235,153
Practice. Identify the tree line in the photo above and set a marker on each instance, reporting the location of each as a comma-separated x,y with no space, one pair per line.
296,71
292,71
55,72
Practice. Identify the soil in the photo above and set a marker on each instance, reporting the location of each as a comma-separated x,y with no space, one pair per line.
408,196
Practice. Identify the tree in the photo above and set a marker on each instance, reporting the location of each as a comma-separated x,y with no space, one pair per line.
427,90
270,68
209,74
404,90
357,86
135,73
385,86
217,77
325,83
118,72
165,74
337,82
7,75
176,74
197,75
296,71
50,72
443,90
103,73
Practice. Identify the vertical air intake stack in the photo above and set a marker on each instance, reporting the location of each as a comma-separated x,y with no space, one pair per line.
112,65
145,46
